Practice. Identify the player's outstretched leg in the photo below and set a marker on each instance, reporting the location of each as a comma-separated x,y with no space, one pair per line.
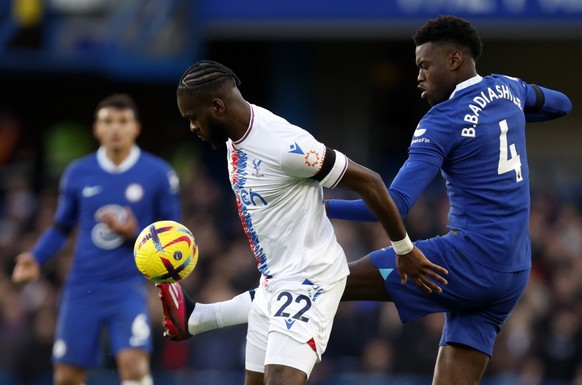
184,318
177,308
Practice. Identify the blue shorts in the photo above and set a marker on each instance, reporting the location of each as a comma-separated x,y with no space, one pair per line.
477,301
120,311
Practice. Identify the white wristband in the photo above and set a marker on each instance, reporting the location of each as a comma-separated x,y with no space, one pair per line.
404,246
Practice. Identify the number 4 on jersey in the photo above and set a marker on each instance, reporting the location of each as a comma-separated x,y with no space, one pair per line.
507,164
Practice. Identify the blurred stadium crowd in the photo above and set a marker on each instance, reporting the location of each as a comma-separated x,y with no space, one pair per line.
540,345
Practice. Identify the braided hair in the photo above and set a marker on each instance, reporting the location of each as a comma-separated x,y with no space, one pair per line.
450,29
205,76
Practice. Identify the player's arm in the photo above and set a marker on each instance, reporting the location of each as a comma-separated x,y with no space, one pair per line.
27,267
370,186
544,104
411,181
309,158
28,263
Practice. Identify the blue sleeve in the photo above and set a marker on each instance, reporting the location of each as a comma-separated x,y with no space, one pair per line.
53,239
544,104
351,210
50,242
168,198
411,181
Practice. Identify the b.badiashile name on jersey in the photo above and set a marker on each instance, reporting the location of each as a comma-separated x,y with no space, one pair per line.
482,100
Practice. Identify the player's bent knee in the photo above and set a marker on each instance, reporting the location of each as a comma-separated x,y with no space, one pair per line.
365,283
459,364
68,375
133,364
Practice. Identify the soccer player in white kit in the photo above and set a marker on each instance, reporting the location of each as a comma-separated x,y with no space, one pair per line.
277,171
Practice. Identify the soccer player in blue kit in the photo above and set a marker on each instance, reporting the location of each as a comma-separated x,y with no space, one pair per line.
474,135
110,195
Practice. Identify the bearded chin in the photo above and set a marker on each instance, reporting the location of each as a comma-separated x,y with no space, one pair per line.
217,135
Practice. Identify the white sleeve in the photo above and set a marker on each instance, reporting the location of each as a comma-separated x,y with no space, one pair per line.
304,156
337,171
305,159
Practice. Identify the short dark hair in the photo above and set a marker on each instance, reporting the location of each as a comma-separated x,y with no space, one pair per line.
204,76
119,101
450,29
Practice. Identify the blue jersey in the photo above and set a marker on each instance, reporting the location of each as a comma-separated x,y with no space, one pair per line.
477,140
143,182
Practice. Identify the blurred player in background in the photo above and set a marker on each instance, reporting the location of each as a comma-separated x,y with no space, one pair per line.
474,135
277,171
110,195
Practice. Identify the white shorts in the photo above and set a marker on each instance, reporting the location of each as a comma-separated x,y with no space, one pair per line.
290,324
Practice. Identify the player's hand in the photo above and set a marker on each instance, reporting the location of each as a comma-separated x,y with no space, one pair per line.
26,269
416,267
124,225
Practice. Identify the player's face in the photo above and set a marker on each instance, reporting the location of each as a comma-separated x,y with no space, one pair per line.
436,78
116,129
201,114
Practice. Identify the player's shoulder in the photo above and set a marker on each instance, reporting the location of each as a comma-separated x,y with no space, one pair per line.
503,78
497,80
154,161
82,164
439,117
276,133
159,168
269,122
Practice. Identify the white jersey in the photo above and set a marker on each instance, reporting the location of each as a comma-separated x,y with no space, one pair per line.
281,207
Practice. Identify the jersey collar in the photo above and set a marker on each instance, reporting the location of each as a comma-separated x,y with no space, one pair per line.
251,121
107,165
469,82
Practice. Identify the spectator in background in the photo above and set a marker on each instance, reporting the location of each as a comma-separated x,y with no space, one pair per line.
110,195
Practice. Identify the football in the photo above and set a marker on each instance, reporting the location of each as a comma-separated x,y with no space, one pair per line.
165,252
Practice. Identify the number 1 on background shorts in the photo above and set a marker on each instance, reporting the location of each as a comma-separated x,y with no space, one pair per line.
119,310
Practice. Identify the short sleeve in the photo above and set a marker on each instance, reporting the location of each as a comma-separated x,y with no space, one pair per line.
304,157
307,158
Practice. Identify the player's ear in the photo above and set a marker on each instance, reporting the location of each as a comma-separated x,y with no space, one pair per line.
455,59
95,130
217,105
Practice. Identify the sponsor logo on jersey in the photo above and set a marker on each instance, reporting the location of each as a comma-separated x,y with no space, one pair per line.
134,192
174,182
295,149
416,137
101,234
314,291
89,191
312,158
248,197
257,166
289,322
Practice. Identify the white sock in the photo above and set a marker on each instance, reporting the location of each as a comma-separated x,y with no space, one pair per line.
147,380
217,315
